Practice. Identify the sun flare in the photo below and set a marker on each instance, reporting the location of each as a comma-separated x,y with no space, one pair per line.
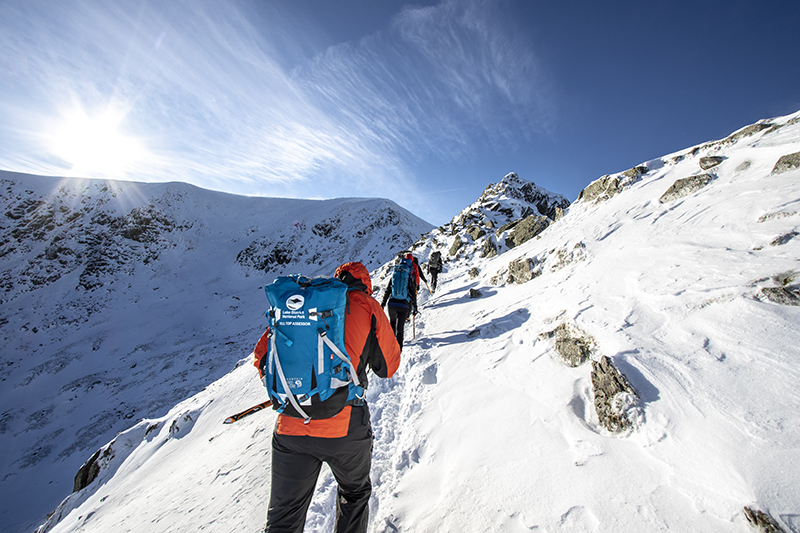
95,145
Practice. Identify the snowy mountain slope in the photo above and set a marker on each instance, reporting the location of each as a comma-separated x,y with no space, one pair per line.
485,428
121,299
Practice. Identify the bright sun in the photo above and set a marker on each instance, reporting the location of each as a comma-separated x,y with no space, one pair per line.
94,145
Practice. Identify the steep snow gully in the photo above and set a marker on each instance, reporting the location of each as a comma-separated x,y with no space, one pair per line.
626,363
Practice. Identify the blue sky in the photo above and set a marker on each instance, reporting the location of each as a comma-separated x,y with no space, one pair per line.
425,103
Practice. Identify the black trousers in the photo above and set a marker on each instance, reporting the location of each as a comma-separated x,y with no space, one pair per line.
434,272
397,319
296,464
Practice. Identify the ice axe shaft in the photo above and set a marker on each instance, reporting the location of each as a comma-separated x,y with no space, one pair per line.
238,416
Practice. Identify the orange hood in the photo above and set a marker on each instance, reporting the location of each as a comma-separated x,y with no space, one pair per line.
358,271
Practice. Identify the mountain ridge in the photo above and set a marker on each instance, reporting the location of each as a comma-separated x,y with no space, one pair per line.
661,287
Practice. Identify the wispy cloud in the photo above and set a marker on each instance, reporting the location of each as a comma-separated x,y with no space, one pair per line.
225,100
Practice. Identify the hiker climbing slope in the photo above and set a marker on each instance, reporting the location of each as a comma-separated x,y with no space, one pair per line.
416,270
434,267
330,423
400,297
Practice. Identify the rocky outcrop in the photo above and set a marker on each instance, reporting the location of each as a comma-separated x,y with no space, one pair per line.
527,229
786,163
783,239
457,244
524,193
747,131
489,248
761,520
522,270
684,187
89,471
780,295
710,161
601,190
613,396
776,215
572,345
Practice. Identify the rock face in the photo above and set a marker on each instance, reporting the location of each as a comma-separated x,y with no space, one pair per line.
609,186
507,214
601,190
710,161
611,390
684,187
787,163
573,345
764,522
522,270
526,193
783,239
526,230
781,295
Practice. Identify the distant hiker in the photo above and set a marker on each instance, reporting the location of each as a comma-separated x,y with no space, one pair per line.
434,267
417,270
401,297
340,436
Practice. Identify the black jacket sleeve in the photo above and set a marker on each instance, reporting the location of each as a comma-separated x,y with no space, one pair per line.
386,294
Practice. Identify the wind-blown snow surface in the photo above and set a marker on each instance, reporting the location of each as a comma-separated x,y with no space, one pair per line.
484,428
120,300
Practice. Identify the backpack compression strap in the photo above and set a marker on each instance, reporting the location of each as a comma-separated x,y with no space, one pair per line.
323,338
285,383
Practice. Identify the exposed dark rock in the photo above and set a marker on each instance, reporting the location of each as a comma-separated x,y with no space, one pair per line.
476,232
572,345
457,244
635,172
710,161
608,383
601,190
514,187
527,229
522,270
489,248
776,215
685,187
474,333
474,272
783,239
507,226
475,293
781,295
746,132
761,520
88,472
786,163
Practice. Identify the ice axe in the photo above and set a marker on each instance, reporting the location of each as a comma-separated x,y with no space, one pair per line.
247,412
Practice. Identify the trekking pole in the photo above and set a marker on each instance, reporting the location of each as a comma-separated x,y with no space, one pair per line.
238,416
426,286
414,326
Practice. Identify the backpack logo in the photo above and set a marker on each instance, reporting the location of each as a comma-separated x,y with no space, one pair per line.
295,302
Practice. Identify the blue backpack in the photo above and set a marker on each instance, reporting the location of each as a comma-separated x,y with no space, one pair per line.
308,373
400,279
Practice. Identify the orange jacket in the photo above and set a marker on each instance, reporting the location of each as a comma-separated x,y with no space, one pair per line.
369,341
